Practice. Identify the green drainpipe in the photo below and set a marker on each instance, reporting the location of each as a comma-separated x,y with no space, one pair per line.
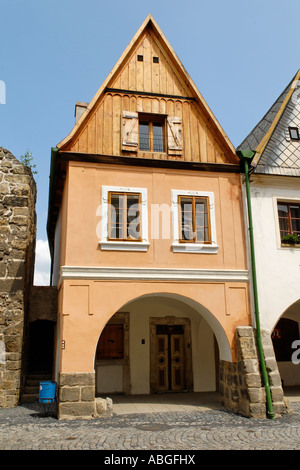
247,155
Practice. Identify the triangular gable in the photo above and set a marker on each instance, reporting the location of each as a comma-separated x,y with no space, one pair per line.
184,85
275,151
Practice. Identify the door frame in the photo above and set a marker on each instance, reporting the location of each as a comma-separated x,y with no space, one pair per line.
188,366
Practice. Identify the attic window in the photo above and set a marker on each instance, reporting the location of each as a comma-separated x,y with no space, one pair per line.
155,60
294,133
140,58
152,133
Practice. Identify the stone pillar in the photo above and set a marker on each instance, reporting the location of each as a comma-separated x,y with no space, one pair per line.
241,387
76,396
280,403
17,245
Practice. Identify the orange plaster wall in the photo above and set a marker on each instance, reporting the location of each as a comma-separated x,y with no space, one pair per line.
88,305
84,197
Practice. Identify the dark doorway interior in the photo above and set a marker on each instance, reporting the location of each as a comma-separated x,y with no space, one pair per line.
41,343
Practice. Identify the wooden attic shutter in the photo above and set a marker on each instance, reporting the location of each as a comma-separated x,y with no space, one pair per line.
130,131
174,127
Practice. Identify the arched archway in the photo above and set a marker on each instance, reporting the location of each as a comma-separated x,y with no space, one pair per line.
285,338
160,342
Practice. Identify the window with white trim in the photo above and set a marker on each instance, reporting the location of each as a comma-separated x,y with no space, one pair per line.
194,228
124,219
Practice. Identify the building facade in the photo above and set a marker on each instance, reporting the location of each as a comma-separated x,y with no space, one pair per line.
275,200
147,238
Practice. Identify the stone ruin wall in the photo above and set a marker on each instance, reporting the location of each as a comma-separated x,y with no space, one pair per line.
17,248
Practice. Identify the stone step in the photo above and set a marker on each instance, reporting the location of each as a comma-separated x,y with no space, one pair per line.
32,383
38,377
32,387
29,397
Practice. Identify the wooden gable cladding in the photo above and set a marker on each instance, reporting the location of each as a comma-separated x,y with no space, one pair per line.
150,79
103,133
149,68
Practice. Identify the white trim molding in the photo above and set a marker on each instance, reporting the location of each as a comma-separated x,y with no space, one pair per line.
153,274
123,245
193,247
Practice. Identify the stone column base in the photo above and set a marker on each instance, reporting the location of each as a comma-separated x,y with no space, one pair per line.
76,396
241,387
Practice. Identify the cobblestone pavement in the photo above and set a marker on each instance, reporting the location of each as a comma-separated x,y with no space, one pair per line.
28,427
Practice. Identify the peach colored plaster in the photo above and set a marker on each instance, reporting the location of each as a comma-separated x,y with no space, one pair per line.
86,310
84,197
88,305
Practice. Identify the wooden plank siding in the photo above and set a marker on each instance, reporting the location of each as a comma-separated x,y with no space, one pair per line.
149,87
102,134
147,76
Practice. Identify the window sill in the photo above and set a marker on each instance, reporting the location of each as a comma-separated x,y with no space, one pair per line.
124,246
290,245
194,248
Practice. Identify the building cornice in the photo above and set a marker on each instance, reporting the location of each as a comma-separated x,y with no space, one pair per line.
152,274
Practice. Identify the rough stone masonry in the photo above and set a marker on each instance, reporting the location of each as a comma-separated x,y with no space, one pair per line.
17,247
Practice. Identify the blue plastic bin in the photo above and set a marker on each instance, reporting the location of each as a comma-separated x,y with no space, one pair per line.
47,392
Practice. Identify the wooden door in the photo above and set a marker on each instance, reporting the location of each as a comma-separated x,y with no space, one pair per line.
177,362
162,363
169,362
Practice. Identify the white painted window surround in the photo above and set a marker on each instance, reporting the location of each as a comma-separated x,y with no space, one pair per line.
193,247
276,200
123,245
144,243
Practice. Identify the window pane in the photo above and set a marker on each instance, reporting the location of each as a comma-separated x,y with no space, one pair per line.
144,136
295,211
294,133
116,216
202,220
158,137
296,225
133,219
186,206
282,210
284,225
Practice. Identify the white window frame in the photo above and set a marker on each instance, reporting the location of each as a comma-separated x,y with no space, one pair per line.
288,200
193,247
123,245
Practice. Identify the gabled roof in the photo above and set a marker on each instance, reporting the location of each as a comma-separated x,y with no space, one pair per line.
275,152
149,23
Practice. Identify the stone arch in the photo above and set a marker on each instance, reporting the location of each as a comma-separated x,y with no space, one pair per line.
285,337
118,367
223,343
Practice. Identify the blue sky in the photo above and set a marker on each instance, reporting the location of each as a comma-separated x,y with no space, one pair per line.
240,53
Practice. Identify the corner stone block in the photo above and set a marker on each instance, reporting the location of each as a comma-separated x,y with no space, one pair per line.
76,410
76,396
80,379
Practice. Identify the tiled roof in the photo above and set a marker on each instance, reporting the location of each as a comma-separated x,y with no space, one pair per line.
277,154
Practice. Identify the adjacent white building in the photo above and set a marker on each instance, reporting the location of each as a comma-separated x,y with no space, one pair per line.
275,201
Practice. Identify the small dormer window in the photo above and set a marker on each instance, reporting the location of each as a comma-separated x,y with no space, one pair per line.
294,133
152,133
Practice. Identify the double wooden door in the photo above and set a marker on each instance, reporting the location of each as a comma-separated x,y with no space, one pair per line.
170,358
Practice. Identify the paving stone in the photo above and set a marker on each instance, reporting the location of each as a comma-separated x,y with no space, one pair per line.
29,426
